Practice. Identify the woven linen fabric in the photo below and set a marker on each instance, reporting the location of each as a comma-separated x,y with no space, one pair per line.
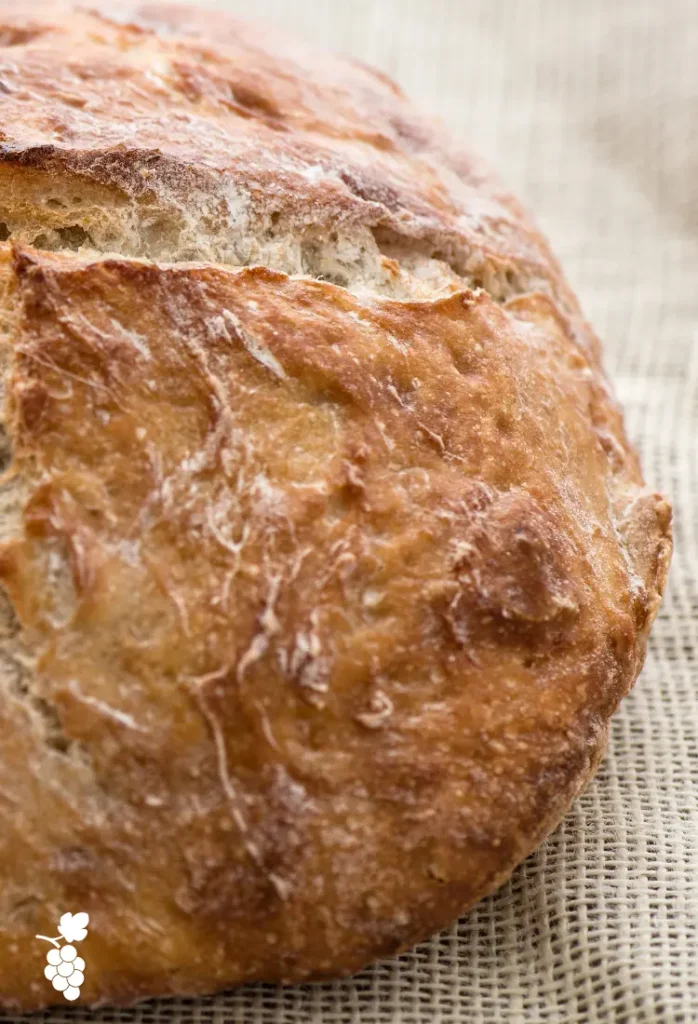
589,110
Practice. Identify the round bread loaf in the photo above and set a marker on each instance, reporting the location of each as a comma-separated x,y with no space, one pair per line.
324,557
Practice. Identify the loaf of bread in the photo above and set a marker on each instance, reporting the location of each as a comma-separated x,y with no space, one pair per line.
325,560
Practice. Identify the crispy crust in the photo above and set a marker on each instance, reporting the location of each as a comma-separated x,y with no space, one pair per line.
320,595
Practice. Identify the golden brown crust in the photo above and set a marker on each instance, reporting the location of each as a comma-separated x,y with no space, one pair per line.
321,596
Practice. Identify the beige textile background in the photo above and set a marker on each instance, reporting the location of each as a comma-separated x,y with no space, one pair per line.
589,108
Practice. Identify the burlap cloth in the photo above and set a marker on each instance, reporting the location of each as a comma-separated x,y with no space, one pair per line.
589,108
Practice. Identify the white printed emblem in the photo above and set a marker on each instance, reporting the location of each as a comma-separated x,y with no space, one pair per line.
65,969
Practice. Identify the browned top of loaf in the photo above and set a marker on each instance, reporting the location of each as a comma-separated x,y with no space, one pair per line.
239,151
325,574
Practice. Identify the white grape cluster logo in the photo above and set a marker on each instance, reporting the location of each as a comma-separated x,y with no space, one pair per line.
65,969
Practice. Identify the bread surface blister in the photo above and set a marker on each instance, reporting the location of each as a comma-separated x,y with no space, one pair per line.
324,557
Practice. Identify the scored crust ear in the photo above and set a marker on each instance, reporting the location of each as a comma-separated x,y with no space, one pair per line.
294,509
